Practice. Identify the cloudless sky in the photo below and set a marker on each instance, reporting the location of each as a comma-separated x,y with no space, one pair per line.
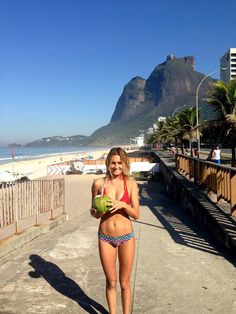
64,63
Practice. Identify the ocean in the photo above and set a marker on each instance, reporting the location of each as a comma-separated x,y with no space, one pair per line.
27,153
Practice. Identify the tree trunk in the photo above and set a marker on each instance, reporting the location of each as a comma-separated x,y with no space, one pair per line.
176,145
233,161
191,147
182,146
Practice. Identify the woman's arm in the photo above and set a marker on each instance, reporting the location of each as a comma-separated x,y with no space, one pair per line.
133,209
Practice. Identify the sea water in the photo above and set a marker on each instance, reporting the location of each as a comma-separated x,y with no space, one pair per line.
29,153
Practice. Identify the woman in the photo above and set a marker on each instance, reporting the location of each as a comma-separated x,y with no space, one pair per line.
216,154
115,235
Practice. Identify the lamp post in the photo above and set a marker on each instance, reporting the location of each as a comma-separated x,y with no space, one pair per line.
197,109
177,109
197,106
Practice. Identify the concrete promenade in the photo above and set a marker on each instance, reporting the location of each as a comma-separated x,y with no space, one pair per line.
178,267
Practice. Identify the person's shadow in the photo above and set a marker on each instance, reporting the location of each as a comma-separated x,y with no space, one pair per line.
64,285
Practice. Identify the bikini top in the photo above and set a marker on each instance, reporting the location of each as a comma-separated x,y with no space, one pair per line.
125,198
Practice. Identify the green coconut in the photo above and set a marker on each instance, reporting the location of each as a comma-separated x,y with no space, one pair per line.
102,203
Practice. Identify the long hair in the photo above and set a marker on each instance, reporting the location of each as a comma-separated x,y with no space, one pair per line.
124,160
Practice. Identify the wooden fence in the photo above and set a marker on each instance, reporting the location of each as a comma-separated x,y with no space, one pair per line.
29,200
216,178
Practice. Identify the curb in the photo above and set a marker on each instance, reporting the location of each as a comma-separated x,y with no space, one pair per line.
29,234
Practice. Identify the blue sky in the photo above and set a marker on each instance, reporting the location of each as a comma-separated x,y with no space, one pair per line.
64,63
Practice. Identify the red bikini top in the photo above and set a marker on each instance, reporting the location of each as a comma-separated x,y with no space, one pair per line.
125,198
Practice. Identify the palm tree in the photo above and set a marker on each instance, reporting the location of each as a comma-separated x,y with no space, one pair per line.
163,133
169,130
177,129
223,98
187,120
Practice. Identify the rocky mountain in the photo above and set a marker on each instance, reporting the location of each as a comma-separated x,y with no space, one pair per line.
132,100
171,84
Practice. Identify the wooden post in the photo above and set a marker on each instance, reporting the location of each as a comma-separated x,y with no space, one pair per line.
233,194
36,183
17,210
63,197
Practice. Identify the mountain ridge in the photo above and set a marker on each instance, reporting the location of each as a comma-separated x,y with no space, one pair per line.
170,85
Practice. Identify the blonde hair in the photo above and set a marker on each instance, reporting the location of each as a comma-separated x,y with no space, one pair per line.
124,160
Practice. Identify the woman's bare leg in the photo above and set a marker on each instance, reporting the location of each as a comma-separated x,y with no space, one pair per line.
108,259
126,257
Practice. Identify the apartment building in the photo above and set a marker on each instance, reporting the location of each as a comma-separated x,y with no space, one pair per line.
228,64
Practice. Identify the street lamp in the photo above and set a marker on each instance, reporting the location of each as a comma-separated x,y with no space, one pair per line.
197,107
177,109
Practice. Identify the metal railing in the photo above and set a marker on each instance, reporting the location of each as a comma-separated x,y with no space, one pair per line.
216,178
27,201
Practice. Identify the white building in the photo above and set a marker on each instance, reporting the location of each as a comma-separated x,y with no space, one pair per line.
228,63
139,140
161,119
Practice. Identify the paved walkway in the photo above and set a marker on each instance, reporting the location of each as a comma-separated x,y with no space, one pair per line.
177,269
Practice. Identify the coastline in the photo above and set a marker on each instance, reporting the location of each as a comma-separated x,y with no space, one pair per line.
37,168
30,153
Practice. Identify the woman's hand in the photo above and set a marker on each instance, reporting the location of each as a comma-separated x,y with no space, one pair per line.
95,213
115,205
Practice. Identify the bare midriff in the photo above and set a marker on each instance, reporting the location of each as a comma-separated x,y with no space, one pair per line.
115,224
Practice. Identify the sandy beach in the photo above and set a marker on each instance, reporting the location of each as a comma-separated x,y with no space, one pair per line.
37,168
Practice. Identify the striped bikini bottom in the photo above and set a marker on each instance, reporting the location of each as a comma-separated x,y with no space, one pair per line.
116,241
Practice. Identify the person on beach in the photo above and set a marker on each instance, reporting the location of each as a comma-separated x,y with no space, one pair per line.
115,234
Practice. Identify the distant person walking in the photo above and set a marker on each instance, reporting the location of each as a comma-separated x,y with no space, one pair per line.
216,154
